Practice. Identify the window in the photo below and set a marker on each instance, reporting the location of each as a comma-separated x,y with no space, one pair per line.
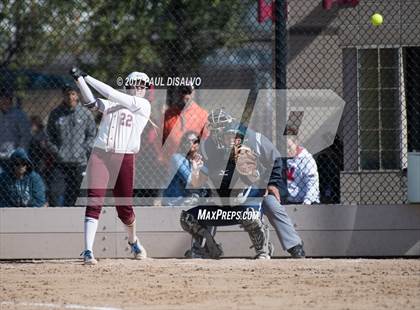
379,109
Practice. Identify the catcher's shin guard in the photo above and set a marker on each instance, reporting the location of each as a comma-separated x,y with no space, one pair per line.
259,235
204,242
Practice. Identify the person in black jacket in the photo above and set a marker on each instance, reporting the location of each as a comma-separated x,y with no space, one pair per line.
71,131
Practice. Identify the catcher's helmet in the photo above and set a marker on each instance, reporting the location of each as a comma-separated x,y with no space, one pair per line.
236,129
234,134
218,121
219,118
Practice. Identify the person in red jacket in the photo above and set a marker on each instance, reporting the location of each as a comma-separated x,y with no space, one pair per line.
182,116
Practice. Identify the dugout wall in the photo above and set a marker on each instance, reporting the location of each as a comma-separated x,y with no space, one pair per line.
327,230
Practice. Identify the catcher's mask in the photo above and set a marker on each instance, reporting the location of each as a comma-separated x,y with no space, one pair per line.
136,83
218,120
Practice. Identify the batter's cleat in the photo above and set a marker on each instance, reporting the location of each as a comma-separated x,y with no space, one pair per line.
88,258
297,251
138,250
76,73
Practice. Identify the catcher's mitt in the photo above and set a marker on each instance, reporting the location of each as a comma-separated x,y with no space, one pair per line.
246,162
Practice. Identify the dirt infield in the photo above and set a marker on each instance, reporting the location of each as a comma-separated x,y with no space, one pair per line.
211,284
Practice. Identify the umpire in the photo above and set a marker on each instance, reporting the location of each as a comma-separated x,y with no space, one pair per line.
71,130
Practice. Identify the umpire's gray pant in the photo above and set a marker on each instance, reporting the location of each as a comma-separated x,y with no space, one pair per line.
276,214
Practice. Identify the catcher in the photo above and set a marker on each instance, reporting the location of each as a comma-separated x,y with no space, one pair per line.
245,164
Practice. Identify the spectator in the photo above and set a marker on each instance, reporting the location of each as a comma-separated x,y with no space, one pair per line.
182,116
71,130
302,173
14,127
38,150
187,171
20,186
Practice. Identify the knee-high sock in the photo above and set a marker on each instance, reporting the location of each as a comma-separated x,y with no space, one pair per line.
91,225
131,230
85,90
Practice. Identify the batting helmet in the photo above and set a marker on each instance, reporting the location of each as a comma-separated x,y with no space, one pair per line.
137,79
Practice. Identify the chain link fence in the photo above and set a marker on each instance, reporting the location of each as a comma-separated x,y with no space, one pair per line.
234,47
